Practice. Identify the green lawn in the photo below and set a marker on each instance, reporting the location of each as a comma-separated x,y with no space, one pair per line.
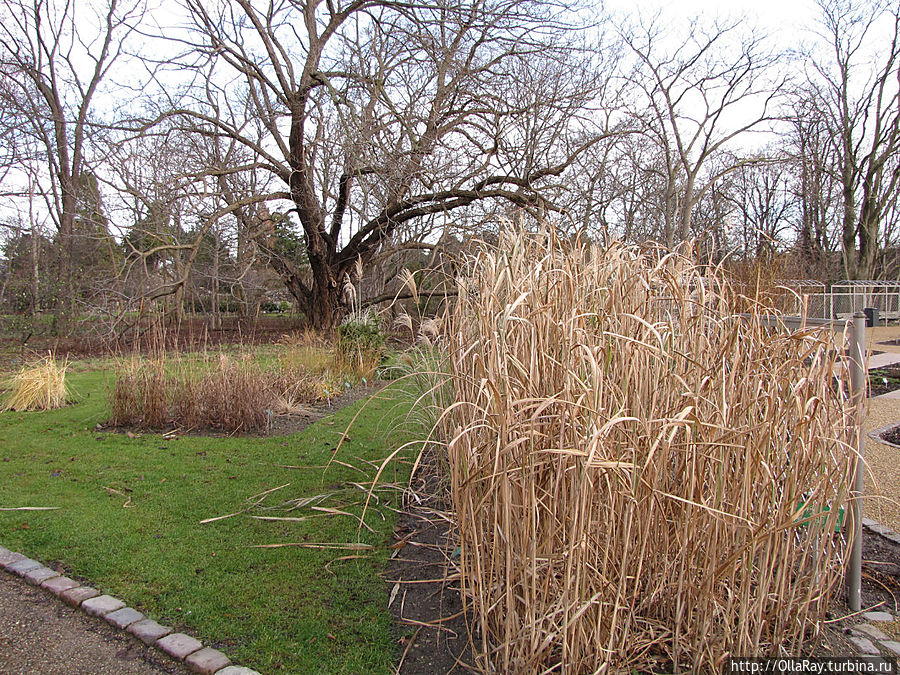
290,609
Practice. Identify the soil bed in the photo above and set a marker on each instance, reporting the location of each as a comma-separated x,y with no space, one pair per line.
426,602
884,380
892,435
880,592
428,609
881,572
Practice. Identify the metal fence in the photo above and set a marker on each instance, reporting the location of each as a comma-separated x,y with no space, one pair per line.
843,299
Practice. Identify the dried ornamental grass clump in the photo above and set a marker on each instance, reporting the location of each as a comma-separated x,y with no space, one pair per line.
217,392
642,478
139,396
39,386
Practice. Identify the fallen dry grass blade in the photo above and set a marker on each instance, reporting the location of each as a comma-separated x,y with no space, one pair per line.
259,499
642,477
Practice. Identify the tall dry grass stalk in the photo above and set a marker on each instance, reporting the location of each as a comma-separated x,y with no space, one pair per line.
642,478
39,386
762,281
216,393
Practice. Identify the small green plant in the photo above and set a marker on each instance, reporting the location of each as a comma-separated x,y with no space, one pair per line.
360,342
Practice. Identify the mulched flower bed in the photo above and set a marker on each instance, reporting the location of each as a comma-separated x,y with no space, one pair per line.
425,597
884,380
892,435
881,572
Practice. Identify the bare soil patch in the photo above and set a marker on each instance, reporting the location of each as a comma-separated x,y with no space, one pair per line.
880,592
881,572
426,601
892,435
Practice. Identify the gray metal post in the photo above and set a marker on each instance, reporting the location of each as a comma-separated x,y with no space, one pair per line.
858,401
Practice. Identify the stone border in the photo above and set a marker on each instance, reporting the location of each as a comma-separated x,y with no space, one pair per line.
871,640
876,434
184,648
880,529
868,638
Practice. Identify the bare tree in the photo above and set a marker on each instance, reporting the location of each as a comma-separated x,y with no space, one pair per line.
815,188
854,91
381,115
762,201
187,219
702,90
54,58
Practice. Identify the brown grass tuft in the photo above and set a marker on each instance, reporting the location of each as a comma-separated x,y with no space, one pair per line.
636,470
223,393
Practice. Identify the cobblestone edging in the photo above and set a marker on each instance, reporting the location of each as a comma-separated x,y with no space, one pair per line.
871,640
868,638
877,528
191,652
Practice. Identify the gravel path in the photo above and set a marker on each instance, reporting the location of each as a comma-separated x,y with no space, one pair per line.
883,461
41,635
882,465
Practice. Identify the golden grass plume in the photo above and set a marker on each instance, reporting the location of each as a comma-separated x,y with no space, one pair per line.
39,386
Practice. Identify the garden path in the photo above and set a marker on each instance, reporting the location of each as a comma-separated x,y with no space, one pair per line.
882,460
40,634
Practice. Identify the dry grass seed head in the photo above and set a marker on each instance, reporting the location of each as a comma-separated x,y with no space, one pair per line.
631,462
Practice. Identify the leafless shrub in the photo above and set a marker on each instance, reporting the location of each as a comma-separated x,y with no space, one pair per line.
139,396
231,396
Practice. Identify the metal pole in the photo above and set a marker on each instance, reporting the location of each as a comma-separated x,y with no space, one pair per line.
857,400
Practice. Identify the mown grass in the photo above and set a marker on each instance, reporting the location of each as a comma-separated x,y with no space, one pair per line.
129,522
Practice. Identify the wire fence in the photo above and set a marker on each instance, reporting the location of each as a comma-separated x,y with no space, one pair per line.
843,299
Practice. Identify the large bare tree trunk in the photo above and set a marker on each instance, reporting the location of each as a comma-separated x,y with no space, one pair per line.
395,125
